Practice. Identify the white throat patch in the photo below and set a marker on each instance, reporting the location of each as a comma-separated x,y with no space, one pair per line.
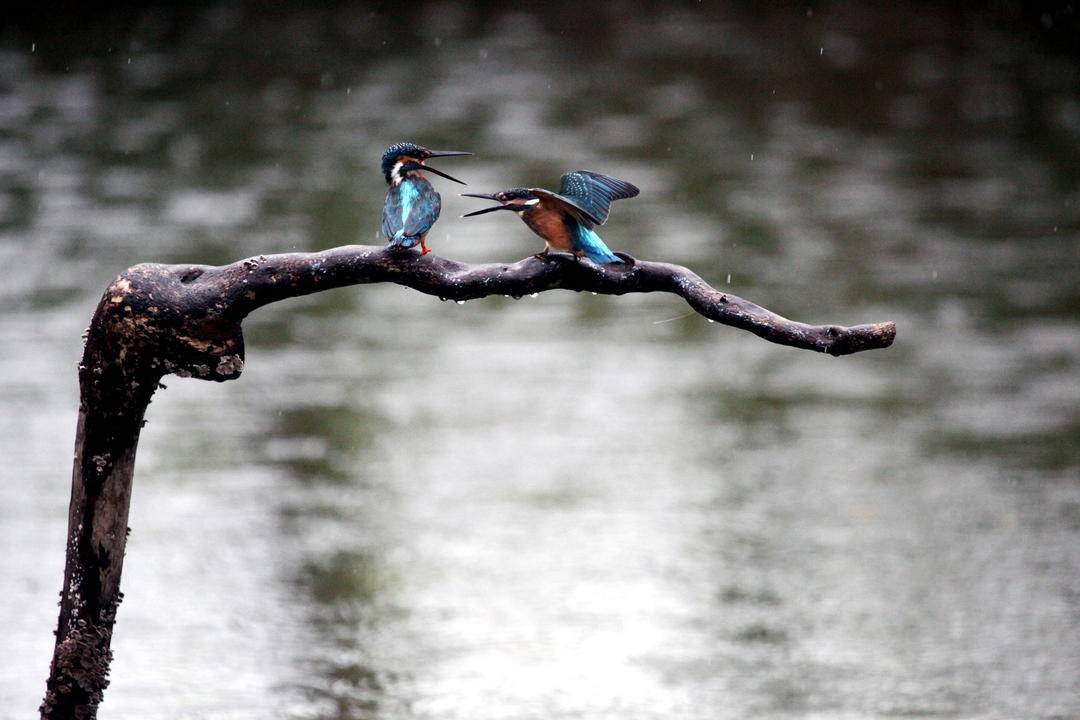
395,174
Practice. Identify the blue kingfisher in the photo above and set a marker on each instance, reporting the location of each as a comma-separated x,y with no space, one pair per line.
566,219
412,205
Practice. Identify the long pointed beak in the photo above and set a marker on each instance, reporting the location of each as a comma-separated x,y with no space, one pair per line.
446,153
482,196
442,174
493,209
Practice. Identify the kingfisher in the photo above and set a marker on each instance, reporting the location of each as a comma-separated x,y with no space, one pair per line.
565,220
412,205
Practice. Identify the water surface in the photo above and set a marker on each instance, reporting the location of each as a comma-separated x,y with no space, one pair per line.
572,506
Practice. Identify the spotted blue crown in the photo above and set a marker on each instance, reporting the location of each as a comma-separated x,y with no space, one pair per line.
397,150
515,194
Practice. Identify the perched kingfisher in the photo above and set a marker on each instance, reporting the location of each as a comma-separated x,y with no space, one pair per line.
566,219
412,205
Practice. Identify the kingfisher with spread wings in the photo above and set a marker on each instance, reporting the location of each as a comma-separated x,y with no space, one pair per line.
412,206
565,220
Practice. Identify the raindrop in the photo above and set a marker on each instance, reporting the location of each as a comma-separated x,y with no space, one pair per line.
751,157
33,47
460,302
710,320
729,278
821,51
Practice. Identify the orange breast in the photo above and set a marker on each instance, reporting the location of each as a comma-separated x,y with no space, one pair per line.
549,225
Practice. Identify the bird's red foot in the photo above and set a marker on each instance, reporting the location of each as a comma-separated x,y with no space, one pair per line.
424,249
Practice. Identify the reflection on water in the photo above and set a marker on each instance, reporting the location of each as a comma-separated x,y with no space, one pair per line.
320,443
568,506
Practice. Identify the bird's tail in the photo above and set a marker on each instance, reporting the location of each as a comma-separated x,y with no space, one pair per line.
594,248
402,240
601,256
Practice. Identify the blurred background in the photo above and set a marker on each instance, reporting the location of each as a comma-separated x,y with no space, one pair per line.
570,506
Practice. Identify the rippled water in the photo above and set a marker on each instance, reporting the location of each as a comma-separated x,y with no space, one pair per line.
569,506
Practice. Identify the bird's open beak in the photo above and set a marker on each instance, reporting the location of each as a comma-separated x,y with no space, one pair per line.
446,153
492,209
442,153
428,168
488,196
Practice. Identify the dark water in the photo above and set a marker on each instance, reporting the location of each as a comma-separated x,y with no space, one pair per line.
568,506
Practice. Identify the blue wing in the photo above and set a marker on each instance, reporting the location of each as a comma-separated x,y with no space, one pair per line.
592,193
594,248
411,208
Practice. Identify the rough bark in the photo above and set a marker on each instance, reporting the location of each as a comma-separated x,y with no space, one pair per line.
185,319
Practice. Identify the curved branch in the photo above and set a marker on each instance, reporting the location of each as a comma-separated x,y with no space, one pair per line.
185,319
244,286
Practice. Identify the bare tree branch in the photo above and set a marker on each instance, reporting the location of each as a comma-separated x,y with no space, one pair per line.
185,319
249,284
